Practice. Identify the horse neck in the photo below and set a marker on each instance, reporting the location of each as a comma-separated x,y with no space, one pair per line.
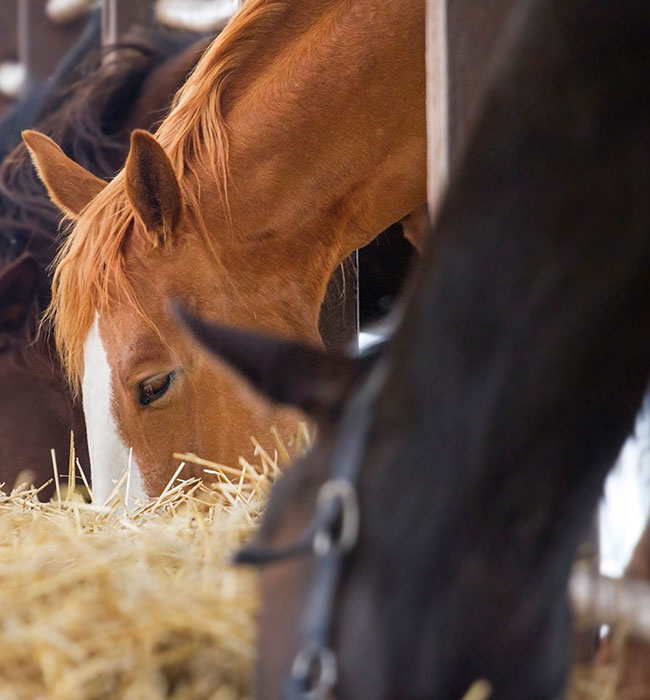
272,286
325,130
333,128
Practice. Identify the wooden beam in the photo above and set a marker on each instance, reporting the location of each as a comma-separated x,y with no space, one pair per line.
8,41
8,30
436,57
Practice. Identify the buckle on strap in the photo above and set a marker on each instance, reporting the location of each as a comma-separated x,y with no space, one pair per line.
337,498
314,672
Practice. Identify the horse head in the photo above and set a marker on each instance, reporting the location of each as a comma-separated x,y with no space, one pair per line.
136,244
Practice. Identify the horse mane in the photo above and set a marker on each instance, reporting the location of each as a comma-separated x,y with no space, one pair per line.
196,132
90,275
87,119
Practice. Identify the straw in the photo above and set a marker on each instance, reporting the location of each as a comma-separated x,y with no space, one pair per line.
103,601
106,602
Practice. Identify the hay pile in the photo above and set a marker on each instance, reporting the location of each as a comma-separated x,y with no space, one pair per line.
100,602
591,683
103,602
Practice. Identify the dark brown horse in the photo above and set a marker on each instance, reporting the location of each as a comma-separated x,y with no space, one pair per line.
37,412
475,450
92,119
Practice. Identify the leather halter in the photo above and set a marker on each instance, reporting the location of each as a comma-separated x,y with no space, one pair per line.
330,536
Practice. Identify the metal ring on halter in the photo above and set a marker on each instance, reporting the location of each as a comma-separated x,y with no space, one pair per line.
309,658
343,491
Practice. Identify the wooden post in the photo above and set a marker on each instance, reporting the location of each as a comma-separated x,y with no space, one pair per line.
436,57
41,42
8,41
8,30
118,17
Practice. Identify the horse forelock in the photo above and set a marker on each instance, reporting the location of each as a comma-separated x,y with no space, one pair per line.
89,275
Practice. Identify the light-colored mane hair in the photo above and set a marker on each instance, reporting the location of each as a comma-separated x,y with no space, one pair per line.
89,271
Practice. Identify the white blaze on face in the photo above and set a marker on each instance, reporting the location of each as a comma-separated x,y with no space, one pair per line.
109,456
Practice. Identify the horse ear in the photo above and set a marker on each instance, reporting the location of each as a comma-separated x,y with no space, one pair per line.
285,371
70,186
19,282
152,187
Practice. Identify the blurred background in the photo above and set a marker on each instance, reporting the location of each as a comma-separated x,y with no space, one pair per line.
35,34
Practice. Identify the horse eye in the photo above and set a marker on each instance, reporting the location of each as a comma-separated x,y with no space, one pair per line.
152,389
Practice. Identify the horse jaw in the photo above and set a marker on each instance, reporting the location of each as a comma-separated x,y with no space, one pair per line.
109,456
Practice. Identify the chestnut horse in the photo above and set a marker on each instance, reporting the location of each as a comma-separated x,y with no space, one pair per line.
92,118
443,512
279,158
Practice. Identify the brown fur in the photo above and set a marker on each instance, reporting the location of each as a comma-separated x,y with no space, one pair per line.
287,160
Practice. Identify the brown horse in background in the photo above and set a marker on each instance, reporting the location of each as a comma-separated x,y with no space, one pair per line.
279,158
37,411
93,119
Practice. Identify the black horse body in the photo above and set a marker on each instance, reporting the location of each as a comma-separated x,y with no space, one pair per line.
513,381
